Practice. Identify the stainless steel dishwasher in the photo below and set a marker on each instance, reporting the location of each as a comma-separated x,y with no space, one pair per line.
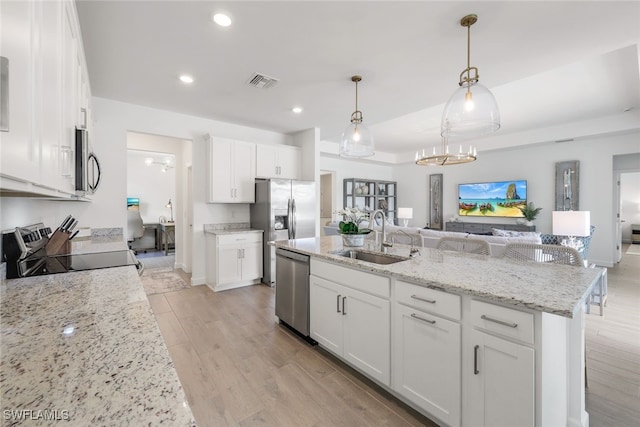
292,290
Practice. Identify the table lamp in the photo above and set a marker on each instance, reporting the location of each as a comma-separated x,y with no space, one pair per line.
405,214
170,206
571,224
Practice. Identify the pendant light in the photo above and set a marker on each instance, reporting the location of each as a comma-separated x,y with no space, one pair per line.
356,139
444,157
472,110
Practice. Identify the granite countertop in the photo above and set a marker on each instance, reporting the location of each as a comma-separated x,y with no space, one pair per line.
232,228
550,288
85,347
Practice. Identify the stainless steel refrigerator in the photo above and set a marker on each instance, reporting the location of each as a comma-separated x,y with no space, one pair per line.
285,209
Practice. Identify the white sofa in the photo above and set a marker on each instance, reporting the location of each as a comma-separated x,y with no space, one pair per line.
429,238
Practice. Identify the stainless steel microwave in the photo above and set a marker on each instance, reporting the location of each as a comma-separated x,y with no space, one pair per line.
87,174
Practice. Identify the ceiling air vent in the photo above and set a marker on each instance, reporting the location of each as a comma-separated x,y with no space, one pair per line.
262,81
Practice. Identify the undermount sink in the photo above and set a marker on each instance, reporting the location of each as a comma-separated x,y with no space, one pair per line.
376,258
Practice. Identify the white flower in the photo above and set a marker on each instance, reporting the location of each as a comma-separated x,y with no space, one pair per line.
354,215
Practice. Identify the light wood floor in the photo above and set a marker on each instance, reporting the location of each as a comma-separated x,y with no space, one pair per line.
239,368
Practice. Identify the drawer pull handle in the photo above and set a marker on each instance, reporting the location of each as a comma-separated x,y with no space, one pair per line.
500,322
344,308
475,360
415,316
430,301
338,303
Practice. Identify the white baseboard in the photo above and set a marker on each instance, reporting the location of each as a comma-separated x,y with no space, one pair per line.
197,281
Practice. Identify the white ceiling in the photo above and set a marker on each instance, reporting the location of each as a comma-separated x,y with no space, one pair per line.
546,62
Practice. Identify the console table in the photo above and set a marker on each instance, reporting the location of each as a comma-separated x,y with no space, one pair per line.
168,230
483,227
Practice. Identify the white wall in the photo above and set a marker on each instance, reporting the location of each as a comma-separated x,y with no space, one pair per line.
347,168
151,185
536,164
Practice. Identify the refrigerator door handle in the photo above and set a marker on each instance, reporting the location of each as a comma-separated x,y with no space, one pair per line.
293,213
290,216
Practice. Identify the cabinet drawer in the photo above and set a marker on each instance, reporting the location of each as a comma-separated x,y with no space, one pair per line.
239,238
473,228
356,279
504,321
430,300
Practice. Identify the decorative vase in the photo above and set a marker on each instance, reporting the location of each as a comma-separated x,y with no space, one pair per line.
353,239
365,189
528,223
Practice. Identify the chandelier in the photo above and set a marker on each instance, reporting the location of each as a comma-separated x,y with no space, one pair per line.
356,140
472,109
445,158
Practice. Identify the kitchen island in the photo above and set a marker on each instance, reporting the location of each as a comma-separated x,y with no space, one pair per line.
84,347
465,339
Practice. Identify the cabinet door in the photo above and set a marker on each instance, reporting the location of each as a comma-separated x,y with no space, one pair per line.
427,362
252,262
50,98
289,159
244,172
20,157
70,91
367,334
501,386
266,161
228,265
220,184
325,313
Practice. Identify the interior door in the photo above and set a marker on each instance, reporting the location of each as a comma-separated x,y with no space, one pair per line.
619,220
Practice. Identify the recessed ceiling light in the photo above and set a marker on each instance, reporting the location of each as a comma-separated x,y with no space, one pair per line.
186,79
222,19
297,110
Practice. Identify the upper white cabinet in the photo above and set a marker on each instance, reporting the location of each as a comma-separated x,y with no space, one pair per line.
231,167
20,157
278,161
48,88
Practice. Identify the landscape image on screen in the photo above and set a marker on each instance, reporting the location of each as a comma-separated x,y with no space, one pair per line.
492,199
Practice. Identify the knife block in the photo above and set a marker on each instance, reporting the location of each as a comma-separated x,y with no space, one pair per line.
59,244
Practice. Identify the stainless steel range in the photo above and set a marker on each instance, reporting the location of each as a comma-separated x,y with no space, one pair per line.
35,250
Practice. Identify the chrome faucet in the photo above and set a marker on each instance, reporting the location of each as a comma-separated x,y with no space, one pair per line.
383,244
414,251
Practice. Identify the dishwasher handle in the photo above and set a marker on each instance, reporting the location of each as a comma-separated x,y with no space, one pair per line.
292,255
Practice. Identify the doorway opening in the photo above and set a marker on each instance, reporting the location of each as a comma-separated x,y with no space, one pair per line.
327,185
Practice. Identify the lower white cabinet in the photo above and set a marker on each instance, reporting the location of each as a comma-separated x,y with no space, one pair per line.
233,260
500,373
426,367
352,324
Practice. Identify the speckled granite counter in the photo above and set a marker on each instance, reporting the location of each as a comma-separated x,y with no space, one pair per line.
236,228
85,347
550,288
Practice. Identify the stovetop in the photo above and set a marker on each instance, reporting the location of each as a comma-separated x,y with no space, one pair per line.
78,262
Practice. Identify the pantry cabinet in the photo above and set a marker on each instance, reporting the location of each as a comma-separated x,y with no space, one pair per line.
278,161
231,167
233,260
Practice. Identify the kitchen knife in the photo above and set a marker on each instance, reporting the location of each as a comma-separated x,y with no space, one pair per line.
66,225
62,224
72,226
74,234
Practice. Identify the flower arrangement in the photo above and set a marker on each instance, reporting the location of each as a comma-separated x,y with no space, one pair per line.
352,218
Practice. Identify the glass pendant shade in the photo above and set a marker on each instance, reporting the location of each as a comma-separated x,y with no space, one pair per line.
472,111
356,141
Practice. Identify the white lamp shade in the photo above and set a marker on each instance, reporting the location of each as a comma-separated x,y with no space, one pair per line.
356,142
571,223
405,213
467,116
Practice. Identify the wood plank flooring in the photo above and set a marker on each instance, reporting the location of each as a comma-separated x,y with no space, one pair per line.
239,368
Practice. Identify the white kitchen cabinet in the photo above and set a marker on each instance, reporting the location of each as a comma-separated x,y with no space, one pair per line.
278,161
427,360
42,43
233,260
500,374
20,153
231,166
352,324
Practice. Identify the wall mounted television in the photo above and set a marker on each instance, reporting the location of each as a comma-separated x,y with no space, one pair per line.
492,199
